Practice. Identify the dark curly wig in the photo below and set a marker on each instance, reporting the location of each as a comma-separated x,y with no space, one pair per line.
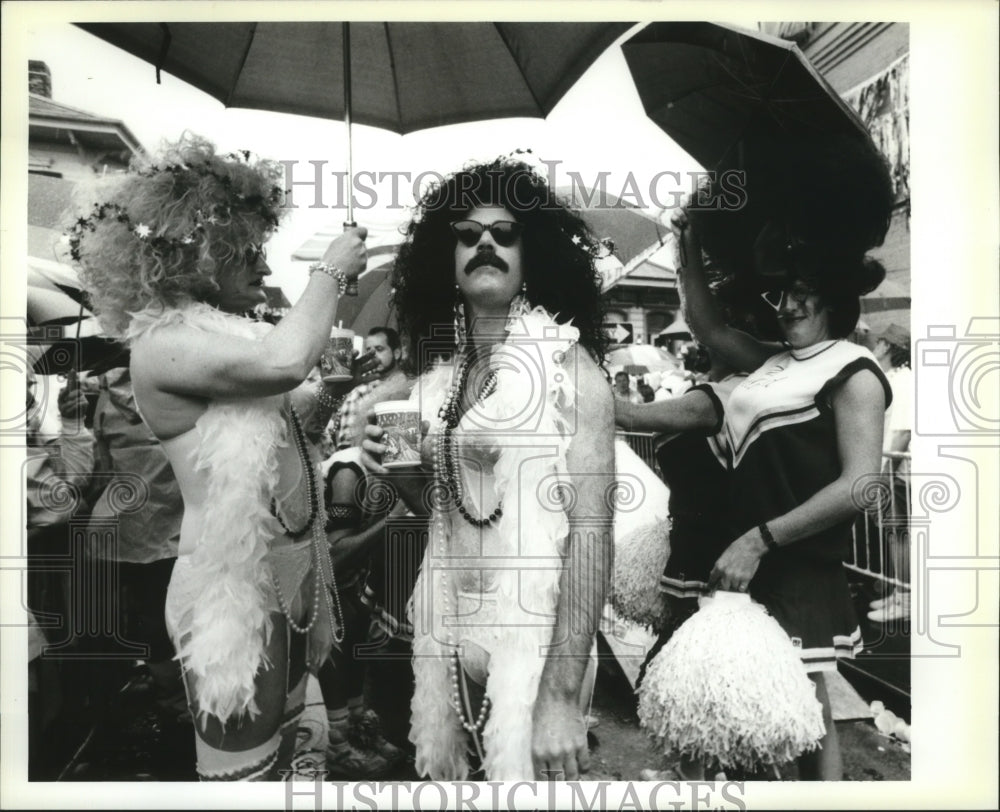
558,250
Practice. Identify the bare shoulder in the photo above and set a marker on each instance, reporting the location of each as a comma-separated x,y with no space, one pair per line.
591,384
591,449
168,414
595,410
154,348
145,354
863,389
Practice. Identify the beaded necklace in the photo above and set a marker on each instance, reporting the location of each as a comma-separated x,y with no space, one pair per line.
322,565
446,462
447,469
311,500
473,727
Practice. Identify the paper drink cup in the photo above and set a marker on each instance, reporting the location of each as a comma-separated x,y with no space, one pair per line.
400,420
335,363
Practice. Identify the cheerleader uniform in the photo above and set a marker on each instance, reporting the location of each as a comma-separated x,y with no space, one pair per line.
782,440
694,467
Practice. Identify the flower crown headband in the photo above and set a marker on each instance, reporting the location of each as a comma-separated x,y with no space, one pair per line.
262,205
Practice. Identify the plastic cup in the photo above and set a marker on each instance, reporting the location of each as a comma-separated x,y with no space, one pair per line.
400,420
335,363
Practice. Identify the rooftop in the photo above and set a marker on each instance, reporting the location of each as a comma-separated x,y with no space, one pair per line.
53,121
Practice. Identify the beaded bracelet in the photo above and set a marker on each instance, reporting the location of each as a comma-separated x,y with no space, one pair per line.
326,400
333,272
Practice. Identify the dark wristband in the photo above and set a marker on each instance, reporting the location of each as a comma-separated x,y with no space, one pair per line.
765,533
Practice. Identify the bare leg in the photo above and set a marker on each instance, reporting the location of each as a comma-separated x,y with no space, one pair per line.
824,764
692,769
246,749
587,686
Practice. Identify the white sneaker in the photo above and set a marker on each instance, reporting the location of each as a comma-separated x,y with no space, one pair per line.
897,609
882,602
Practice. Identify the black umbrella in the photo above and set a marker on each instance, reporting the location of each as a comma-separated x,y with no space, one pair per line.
404,76
400,76
719,91
60,353
61,325
741,100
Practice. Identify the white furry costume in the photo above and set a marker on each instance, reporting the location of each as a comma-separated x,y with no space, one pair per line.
531,410
227,592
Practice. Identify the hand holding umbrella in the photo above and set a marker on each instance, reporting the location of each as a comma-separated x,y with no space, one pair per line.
346,257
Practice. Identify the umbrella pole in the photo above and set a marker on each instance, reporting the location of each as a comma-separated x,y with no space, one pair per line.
352,286
71,376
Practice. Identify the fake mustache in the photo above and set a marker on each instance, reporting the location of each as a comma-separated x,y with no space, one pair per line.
485,258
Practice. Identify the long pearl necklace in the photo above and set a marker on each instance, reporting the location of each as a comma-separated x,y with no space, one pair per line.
448,475
322,565
447,466
454,665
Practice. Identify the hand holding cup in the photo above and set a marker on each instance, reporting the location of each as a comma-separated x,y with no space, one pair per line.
410,482
365,368
401,436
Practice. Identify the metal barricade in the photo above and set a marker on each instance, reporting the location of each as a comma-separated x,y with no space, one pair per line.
642,443
881,535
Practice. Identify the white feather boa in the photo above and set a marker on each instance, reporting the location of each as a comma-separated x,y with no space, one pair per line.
531,405
228,625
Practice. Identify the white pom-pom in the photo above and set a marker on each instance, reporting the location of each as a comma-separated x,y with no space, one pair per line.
639,559
729,686
641,540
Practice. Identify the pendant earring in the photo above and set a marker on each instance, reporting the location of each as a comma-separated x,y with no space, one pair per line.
460,330
519,305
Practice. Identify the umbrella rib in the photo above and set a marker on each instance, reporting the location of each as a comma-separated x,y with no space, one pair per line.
764,100
743,84
392,72
243,62
520,70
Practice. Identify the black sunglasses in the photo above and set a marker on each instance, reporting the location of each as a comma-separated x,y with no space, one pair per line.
797,293
504,232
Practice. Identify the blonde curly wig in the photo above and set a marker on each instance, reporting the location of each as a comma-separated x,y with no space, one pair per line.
167,230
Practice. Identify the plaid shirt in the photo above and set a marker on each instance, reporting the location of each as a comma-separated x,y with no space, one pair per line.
342,425
344,428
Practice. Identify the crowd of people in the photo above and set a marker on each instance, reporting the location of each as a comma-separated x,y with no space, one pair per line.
449,609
